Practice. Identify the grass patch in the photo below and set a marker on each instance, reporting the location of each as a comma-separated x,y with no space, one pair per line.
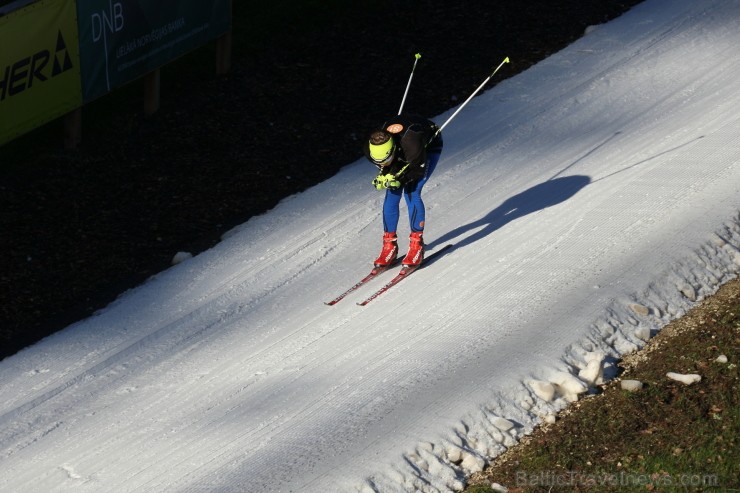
666,437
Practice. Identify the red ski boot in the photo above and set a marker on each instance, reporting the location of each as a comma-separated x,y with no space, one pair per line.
390,250
416,250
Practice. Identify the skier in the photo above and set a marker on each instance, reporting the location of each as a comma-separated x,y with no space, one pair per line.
405,150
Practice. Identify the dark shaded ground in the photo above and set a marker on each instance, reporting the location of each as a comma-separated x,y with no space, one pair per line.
77,228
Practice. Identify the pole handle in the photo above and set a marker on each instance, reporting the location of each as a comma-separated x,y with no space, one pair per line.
403,101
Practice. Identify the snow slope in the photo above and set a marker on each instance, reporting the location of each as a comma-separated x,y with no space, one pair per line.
589,200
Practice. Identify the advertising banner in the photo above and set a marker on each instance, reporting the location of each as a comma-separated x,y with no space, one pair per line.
121,40
39,66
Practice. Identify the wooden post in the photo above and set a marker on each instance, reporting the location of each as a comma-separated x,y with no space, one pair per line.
223,54
73,128
151,92
223,48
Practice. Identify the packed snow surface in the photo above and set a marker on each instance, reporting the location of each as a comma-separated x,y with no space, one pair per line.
589,201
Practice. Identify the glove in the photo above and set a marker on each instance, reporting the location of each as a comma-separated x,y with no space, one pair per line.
386,181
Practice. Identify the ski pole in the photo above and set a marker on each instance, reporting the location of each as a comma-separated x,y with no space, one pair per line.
417,56
506,60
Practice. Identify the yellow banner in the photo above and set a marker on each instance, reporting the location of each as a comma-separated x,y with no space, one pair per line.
39,66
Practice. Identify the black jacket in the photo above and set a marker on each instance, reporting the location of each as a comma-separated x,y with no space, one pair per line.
413,137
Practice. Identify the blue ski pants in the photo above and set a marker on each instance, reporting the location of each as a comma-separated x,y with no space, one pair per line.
412,193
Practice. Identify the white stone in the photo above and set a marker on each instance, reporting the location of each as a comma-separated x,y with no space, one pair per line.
503,424
569,385
454,455
498,488
643,333
721,359
593,372
685,379
543,390
472,463
631,385
640,309
688,291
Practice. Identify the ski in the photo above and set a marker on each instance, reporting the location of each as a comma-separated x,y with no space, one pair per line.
405,272
373,274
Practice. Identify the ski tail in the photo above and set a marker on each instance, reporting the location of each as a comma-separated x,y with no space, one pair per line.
405,272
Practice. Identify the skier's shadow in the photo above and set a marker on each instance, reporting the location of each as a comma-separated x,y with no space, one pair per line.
537,198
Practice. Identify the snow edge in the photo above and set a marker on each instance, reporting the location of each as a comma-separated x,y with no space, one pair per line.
626,326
